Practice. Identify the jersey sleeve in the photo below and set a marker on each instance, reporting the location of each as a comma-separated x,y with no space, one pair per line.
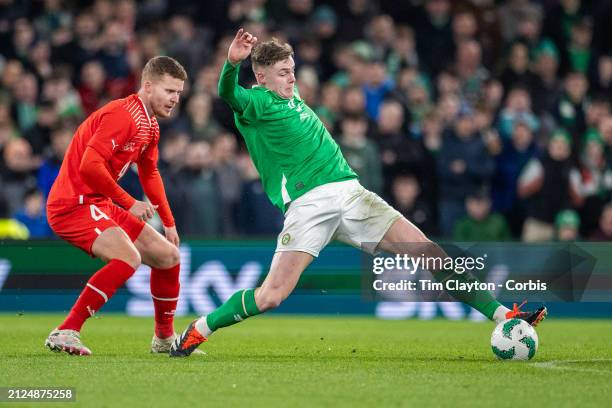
114,129
246,103
153,185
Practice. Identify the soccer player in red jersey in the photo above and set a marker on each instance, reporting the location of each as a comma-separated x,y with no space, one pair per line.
87,207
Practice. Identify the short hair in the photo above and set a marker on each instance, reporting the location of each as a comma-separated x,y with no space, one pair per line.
156,67
270,52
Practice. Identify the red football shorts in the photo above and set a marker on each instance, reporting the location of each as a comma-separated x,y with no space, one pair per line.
82,224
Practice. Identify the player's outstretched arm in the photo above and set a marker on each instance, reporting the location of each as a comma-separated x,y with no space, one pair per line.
236,96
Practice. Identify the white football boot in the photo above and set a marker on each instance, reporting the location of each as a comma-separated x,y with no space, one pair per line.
67,341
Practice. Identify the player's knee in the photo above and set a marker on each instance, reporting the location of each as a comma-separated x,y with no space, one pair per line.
131,258
167,257
173,256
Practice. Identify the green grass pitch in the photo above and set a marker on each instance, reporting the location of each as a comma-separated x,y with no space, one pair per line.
307,361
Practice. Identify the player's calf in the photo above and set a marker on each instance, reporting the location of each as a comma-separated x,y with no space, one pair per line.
267,299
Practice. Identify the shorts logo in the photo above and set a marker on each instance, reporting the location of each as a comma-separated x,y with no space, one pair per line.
285,239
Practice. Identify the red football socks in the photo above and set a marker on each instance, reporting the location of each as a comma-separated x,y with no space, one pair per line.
165,292
99,289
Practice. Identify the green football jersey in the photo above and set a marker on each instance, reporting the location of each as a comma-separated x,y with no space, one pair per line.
288,143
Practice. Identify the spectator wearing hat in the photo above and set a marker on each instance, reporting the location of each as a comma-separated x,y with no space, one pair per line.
545,89
480,224
567,225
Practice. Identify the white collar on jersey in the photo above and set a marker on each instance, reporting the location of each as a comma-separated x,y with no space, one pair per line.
145,109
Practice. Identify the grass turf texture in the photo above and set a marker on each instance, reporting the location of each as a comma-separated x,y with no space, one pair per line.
307,361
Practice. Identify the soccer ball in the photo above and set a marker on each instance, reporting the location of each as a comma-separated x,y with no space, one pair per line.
514,339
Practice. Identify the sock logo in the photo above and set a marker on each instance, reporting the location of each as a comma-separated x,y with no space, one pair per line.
238,318
91,311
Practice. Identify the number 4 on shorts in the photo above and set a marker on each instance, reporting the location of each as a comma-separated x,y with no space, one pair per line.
97,214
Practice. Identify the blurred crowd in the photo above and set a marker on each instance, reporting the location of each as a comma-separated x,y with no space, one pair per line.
477,119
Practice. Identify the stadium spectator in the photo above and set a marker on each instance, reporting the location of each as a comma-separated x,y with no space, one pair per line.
544,185
470,70
49,169
9,227
17,171
33,215
517,71
545,89
225,155
602,81
480,224
406,198
570,110
197,183
354,103
39,135
26,94
464,166
517,108
511,13
434,35
199,122
93,89
593,181
360,152
567,225
256,215
399,152
509,164
604,229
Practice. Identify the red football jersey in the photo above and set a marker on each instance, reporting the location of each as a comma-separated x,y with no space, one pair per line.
121,132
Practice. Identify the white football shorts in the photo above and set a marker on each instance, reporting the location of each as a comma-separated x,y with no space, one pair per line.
343,210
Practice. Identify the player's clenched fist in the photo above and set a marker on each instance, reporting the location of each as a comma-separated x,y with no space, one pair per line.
241,46
143,210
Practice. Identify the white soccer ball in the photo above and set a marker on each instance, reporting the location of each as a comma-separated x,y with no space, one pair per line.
514,339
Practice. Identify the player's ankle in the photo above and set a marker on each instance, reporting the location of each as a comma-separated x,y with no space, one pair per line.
202,327
164,331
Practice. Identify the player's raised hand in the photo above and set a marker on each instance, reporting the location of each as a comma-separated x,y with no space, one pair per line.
241,46
142,210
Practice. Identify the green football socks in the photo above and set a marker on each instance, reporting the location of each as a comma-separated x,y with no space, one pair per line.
239,306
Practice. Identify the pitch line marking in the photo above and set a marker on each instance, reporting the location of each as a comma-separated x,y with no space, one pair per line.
560,365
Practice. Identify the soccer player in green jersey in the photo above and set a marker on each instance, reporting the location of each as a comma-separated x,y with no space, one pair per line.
305,175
